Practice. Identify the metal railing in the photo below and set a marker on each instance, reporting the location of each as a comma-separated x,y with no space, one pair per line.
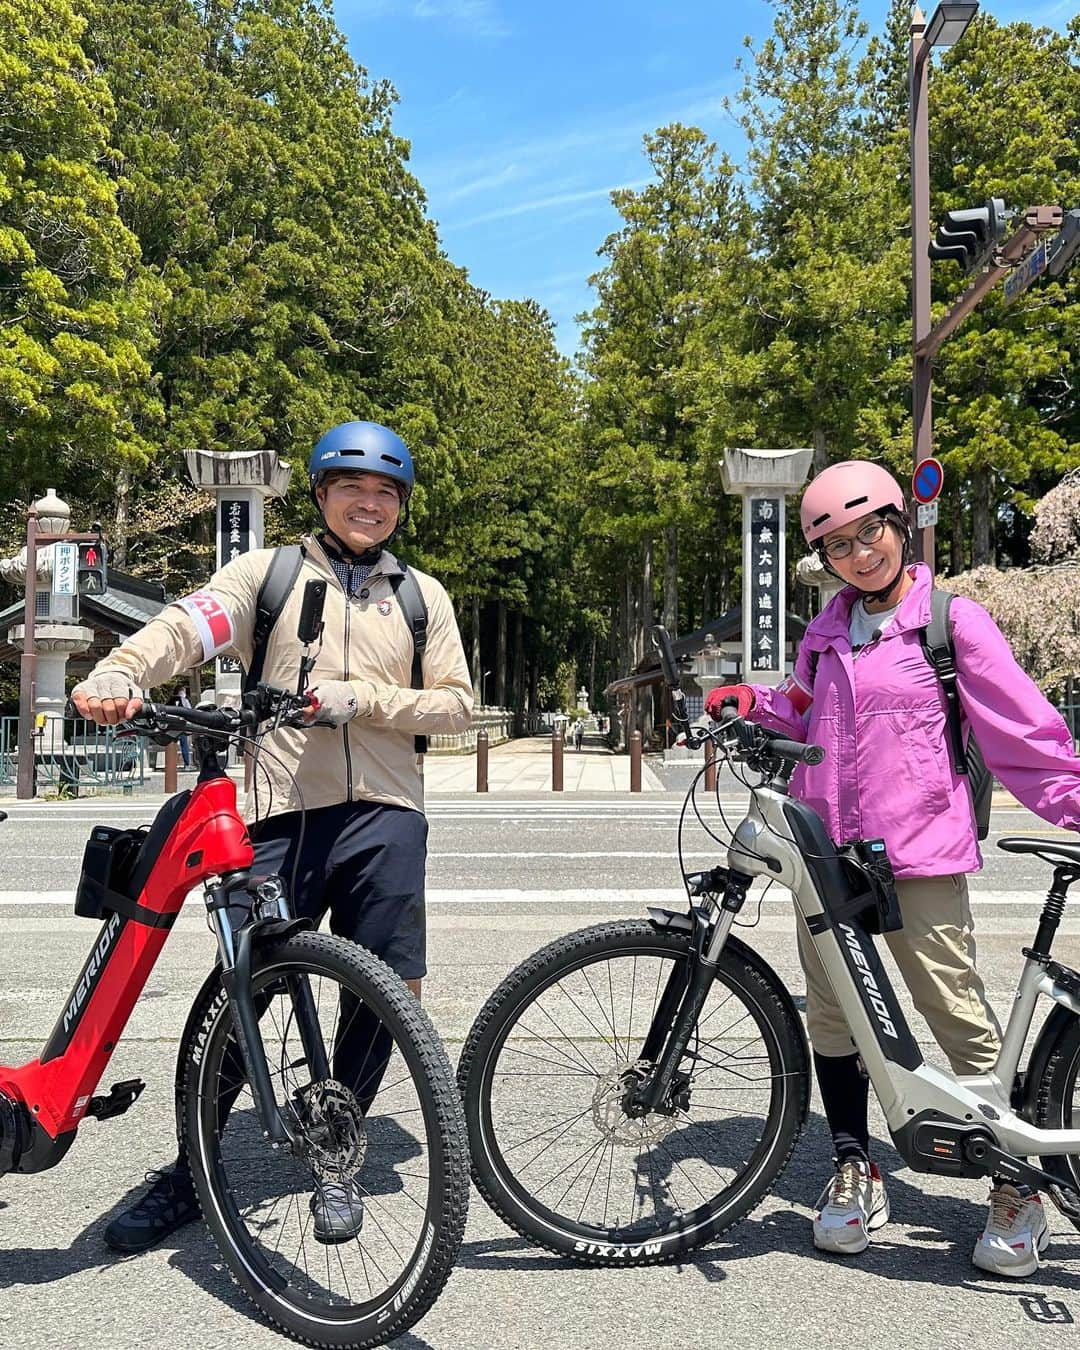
72,756
1071,714
497,722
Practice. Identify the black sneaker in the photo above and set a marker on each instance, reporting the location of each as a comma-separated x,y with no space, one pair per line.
167,1205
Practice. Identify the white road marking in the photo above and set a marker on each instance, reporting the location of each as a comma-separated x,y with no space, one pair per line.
579,896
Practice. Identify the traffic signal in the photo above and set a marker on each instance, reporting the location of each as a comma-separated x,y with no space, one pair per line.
93,572
969,237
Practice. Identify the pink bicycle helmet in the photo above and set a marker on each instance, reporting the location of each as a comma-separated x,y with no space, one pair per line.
846,492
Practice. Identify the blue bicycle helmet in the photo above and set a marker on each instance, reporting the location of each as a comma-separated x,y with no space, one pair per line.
363,447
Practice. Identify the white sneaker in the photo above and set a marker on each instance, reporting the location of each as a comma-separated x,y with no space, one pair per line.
850,1208
1016,1233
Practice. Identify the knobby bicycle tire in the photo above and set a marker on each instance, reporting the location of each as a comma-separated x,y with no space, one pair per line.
1057,1101
207,1040
744,977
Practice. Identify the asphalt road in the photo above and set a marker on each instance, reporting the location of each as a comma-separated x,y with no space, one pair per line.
505,876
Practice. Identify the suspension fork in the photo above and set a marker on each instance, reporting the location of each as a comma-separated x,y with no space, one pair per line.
235,947
682,1001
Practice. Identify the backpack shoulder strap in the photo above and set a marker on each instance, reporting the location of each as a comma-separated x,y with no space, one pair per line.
411,599
937,645
275,590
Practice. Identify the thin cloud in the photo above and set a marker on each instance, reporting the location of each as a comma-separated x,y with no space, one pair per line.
478,18
482,184
623,131
544,204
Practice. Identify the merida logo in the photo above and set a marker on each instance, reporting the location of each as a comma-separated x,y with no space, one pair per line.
92,971
876,1001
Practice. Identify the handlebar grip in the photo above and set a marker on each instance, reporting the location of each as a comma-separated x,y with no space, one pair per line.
795,750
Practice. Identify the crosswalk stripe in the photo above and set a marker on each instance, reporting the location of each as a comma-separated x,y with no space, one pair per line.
583,897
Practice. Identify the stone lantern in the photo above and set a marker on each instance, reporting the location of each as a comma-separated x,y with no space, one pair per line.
58,633
810,572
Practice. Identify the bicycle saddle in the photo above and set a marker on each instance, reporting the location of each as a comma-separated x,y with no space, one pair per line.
1050,850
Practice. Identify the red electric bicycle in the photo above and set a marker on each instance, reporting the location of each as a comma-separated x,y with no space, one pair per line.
305,1062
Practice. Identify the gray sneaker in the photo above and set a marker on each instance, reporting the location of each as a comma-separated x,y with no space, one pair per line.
338,1209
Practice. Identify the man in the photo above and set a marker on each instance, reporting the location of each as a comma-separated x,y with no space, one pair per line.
181,700
364,845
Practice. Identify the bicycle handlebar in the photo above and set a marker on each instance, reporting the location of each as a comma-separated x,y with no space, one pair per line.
752,742
173,720
154,718
796,750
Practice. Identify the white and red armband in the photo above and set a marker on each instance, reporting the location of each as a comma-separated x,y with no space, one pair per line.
798,695
211,619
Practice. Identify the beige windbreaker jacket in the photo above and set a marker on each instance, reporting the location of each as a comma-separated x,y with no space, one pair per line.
366,641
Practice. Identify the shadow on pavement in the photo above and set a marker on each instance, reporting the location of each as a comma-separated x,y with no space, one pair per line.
43,1265
952,1222
191,1250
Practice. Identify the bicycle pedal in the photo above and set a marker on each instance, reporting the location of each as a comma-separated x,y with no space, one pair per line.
1066,1200
121,1096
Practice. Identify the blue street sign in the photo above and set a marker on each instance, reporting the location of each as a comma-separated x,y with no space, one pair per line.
1021,277
927,479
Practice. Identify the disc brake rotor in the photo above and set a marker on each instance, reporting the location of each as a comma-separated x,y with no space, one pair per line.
609,1115
333,1135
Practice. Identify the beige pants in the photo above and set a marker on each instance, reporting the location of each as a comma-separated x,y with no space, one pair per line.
935,951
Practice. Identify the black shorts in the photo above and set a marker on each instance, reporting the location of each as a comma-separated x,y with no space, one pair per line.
362,861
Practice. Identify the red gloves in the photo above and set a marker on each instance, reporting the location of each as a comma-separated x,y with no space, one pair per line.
740,696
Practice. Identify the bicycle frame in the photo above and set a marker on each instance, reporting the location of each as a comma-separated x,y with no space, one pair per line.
784,840
208,840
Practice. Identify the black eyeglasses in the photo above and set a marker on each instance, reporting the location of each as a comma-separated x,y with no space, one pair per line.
870,533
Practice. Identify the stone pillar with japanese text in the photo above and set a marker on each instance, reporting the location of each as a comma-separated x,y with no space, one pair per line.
240,481
764,479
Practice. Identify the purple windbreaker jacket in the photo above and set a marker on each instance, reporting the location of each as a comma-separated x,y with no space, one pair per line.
880,716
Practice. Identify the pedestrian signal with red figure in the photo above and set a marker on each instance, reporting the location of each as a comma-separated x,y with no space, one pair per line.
93,572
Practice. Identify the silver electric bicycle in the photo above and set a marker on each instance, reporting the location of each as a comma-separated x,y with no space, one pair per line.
635,1089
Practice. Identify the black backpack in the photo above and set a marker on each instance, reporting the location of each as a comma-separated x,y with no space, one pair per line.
937,645
275,590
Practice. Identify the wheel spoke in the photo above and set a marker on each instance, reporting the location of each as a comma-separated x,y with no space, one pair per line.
686,1161
374,1170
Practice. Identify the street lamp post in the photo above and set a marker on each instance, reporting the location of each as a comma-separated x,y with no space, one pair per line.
483,687
947,25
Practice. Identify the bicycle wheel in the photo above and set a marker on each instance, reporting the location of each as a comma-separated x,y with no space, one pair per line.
1057,1100
393,1130
547,1065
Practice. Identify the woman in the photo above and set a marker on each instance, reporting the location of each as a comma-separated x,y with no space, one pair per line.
863,689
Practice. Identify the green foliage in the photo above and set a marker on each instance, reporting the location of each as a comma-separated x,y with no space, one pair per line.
76,306
210,236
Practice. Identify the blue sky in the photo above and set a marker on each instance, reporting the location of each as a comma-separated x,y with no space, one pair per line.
523,116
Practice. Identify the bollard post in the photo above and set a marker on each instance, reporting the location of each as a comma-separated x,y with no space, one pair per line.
482,760
172,752
710,767
557,747
635,761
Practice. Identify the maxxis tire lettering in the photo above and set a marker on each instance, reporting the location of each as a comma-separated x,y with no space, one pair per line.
437,1247
522,985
